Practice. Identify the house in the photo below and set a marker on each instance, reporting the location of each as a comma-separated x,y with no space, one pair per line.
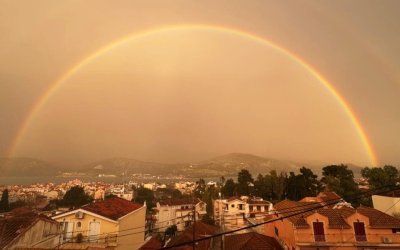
25,229
230,212
178,212
251,241
201,230
235,211
114,222
388,202
338,227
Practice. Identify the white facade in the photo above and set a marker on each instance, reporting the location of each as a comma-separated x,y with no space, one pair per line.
177,213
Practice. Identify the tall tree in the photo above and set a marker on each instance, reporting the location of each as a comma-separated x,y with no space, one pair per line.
245,182
200,188
229,189
340,179
4,203
142,195
75,197
388,176
304,184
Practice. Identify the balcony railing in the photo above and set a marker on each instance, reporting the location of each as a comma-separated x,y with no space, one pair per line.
319,238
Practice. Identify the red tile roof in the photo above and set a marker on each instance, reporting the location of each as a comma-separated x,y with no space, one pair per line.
378,219
251,241
201,230
112,208
152,244
337,217
14,226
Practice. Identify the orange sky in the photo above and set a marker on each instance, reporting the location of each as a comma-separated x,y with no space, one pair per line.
188,95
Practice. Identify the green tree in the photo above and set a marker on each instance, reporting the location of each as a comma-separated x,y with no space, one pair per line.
261,187
245,182
200,188
75,197
4,203
381,177
340,179
304,184
229,189
143,194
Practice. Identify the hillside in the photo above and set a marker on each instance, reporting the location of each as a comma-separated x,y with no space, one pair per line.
26,167
118,166
225,165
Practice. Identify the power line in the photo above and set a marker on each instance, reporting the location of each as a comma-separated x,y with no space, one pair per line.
262,223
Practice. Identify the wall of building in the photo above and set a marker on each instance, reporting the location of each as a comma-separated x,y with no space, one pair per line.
107,227
129,238
43,234
389,205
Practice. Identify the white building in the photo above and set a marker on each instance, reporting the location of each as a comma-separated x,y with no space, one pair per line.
235,211
178,212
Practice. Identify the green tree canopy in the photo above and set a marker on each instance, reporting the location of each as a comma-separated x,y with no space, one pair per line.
381,177
4,203
75,197
143,194
340,179
245,182
229,189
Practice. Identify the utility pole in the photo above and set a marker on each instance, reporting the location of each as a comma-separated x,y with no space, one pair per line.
222,221
194,226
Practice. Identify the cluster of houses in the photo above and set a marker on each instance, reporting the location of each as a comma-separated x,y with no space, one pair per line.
323,222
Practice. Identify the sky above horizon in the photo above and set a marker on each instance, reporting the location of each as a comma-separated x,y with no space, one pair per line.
218,77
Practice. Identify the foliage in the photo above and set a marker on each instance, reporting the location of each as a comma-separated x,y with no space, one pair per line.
75,197
200,188
144,194
4,203
245,182
340,179
229,189
381,177
304,184
171,231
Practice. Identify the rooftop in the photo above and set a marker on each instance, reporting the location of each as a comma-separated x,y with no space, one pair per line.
251,241
112,208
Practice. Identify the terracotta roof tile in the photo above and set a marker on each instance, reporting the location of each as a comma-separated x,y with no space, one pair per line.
152,244
251,241
201,230
112,208
378,219
14,226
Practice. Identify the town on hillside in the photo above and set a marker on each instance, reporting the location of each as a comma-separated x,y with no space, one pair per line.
275,211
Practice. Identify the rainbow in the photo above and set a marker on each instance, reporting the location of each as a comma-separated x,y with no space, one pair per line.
164,29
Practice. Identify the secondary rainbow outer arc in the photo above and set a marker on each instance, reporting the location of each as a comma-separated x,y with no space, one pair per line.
53,88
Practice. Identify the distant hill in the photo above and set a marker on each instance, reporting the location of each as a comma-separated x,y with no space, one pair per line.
118,166
231,164
26,167
225,165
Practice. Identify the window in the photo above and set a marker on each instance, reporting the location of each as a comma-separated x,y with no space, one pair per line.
396,230
359,231
319,232
233,205
78,224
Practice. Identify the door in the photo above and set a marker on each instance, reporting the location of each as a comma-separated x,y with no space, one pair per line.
94,231
319,232
67,228
359,231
